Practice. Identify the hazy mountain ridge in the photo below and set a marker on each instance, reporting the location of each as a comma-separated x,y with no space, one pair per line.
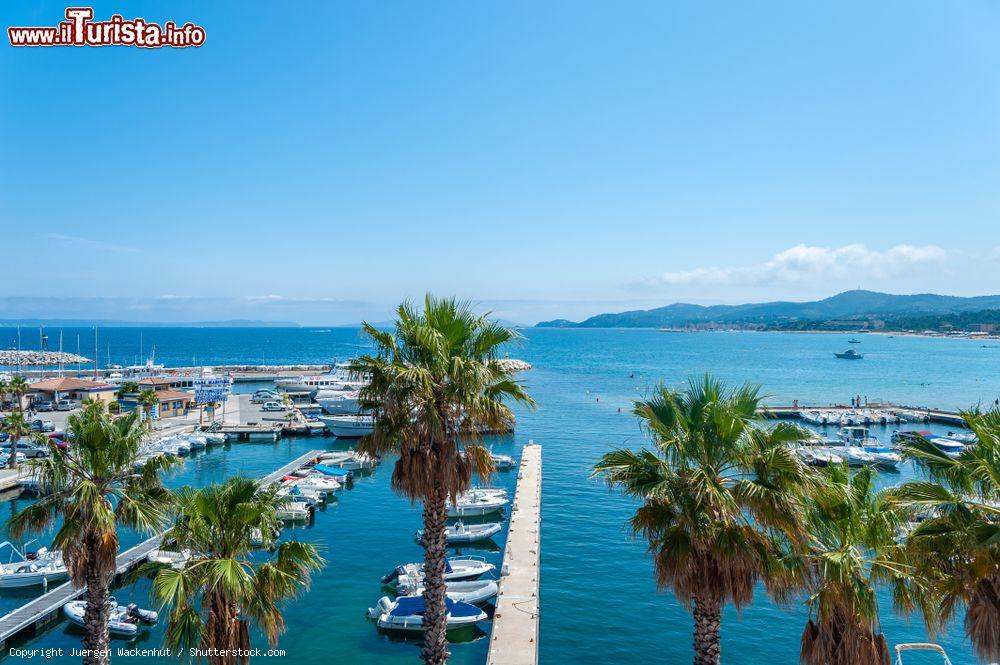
857,304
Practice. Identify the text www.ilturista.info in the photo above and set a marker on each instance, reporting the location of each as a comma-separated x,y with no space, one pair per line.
80,30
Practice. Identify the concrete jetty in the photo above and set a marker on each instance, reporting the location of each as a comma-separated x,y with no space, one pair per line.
515,622
913,414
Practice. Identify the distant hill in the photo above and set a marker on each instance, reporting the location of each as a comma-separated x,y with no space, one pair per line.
858,304
113,323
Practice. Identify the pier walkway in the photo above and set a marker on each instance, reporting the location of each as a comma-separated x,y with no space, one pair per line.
46,608
911,413
515,621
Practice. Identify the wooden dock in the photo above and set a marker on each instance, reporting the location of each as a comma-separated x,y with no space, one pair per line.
515,621
46,609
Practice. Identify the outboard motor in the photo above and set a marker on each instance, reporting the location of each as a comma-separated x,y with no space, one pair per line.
149,616
393,576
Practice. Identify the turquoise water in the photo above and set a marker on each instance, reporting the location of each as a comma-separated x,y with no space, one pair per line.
599,603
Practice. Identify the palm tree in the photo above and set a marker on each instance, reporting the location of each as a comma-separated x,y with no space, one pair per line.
722,498
17,388
958,546
220,525
434,382
94,489
17,428
147,400
852,551
128,388
3,392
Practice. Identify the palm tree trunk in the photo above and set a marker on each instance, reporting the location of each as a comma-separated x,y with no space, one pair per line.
435,650
12,462
225,633
707,630
95,619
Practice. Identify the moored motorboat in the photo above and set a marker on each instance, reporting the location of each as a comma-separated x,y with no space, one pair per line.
849,354
456,569
818,457
28,569
315,482
349,427
171,558
947,446
352,460
476,505
474,592
921,646
339,402
406,613
502,462
459,532
294,511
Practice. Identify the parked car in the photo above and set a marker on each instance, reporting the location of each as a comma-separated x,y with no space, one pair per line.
44,406
273,406
43,425
262,396
28,450
5,457
65,405
4,436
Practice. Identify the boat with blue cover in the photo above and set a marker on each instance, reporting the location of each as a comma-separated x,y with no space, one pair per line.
456,569
406,613
332,471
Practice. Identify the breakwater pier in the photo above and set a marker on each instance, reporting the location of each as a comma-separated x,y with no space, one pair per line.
910,414
515,622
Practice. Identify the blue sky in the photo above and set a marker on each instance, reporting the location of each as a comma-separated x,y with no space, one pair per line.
548,159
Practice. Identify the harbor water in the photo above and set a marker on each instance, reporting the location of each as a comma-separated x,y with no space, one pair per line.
598,600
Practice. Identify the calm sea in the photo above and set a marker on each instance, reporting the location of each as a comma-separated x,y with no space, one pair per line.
599,603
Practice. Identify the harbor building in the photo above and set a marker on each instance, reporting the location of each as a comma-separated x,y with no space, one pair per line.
53,390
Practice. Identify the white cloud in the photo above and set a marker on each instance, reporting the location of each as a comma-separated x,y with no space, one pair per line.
807,264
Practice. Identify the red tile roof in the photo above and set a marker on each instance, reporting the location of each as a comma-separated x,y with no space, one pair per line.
168,395
67,384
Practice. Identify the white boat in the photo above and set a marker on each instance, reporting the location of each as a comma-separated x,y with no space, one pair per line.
124,621
459,532
170,558
333,381
474,592
336,403
858,436
819,457
28,569
503,462
349,460
456,569
296,493
921,646
968,438
196,442
349,427
476,504
814,417
949,447
317,483
294,511
407,613
214,438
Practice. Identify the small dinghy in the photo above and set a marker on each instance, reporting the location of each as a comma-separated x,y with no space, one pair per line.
407,613
466,533
196,441
170,558
124,621
886,458
456,569
475,592
214,438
